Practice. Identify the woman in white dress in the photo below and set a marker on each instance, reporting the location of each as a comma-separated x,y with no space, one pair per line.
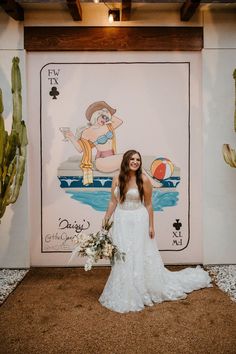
141,280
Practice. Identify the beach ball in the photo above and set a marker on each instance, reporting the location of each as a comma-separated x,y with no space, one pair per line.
162,168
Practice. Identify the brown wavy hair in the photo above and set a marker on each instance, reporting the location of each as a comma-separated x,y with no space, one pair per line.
124,175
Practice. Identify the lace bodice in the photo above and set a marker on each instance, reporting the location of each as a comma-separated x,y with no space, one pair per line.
132,199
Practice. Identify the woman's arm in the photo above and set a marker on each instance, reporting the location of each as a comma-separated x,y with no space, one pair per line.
147,186
116,122
113,202
69,135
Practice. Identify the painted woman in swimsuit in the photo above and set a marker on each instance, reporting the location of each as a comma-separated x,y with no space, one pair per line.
99,132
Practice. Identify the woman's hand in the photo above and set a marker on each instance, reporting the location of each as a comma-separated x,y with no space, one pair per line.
68,134
105,221
151,232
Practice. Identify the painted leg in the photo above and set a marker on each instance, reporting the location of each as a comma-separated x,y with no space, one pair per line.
108,164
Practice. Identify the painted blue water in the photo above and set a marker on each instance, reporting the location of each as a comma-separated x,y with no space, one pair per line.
106,182
98,200
161,200
77,182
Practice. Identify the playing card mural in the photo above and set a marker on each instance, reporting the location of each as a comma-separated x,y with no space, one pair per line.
90,114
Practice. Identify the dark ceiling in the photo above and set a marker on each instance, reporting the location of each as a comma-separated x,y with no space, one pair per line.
187,8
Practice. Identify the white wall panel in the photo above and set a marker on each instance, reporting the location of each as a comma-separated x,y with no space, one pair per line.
219,202
11,32
220,29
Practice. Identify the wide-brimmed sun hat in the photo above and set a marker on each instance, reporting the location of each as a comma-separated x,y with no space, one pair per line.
97,106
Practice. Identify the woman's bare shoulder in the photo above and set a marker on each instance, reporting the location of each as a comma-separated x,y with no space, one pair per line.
86,133
146,180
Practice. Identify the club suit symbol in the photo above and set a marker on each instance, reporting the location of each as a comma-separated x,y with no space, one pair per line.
54,93
177,225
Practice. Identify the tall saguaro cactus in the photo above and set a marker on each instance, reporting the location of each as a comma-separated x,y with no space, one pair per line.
13,145
228,153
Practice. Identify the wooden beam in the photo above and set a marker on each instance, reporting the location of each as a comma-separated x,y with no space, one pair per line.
188,9
75,9
125,10
113,38
13,9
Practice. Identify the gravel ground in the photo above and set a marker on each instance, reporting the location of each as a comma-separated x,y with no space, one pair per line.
9,278
225,278
223,275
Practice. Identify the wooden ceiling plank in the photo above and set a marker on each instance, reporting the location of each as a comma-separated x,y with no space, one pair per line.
113,38
188,9
13,9
126,10
75,9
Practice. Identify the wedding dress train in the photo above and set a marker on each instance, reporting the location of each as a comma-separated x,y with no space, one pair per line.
142,279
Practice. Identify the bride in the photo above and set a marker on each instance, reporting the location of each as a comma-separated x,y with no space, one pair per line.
141,280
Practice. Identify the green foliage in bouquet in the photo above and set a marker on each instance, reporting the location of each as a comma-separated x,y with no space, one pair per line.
13,145
228,153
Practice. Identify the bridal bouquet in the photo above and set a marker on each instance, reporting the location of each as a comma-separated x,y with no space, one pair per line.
97,246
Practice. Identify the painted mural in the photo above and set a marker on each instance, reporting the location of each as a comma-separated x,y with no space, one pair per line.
90,114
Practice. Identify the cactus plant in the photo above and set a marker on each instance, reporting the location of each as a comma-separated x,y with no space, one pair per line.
13,145
228,153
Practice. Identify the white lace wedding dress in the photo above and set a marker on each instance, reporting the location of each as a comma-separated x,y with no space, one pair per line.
142,279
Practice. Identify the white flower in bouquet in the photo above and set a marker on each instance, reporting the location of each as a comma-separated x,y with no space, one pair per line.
107,251
90,251
83,240
88,265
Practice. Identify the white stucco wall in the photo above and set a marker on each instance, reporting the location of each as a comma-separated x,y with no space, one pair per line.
14,227
11,33
219,180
